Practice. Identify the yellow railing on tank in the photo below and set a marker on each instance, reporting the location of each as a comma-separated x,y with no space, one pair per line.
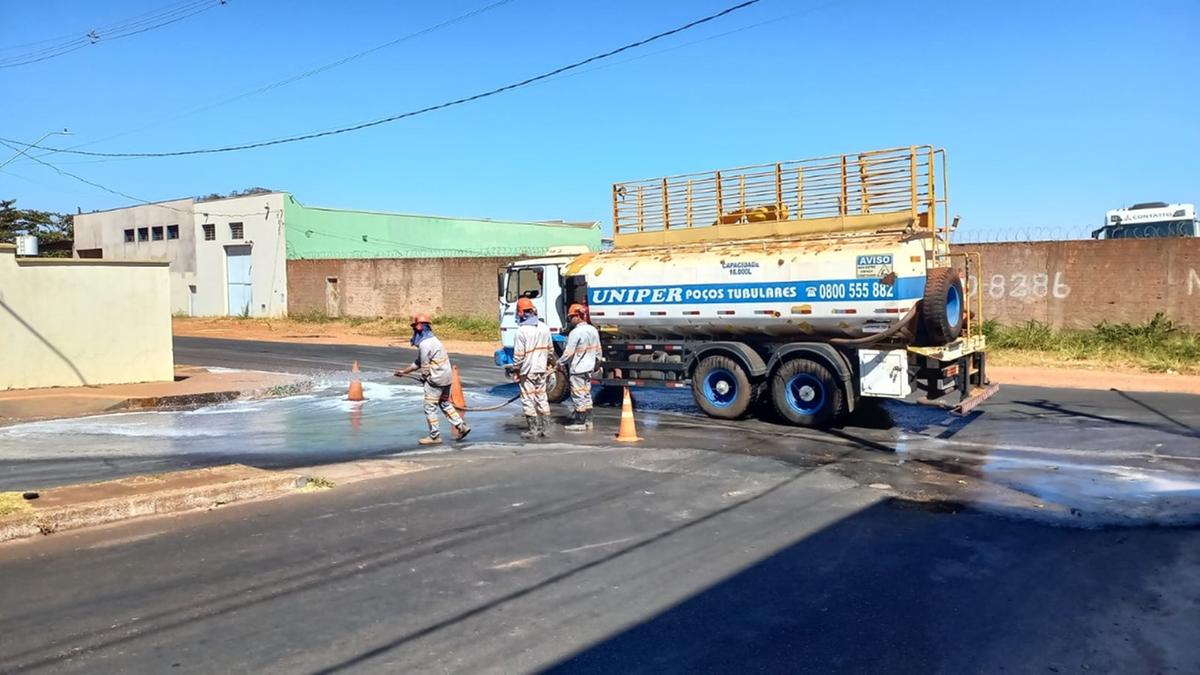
877,189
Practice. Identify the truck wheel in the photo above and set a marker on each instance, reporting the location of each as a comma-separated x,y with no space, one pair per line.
805,393
942,306
721,388
556,386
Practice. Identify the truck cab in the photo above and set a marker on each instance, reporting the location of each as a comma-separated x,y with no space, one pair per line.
1150,220
540,280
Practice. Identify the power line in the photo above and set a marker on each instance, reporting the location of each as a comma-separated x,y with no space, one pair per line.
122,24
707,38
136,26
306,74
366,239
413,113
119,193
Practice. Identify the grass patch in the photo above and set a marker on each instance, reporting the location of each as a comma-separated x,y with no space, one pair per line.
312,316
12,502
1157,345
467,328
318,483
447,327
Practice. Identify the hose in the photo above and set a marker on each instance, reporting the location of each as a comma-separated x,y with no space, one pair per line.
468,408
879,337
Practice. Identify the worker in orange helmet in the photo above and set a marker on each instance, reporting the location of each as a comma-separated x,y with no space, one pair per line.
436,375
579,360
531,364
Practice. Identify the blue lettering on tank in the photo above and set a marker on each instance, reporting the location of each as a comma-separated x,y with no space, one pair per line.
904,288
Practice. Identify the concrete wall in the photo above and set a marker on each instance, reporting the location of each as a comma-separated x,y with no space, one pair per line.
1077,284
66,323
320,233
395,287
262,219
105,230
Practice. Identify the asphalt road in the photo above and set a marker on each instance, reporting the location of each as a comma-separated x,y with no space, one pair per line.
1035,536
317,358
602,560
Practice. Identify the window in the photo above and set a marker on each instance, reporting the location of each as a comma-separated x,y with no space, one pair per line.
172,232
157,233
143,234
210,231
524,282
90,253
128,236
235,230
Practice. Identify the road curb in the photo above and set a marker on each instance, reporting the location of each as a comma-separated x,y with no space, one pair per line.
156,502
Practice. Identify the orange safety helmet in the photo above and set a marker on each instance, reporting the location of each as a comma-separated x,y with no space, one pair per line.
577,310
525,305
419,318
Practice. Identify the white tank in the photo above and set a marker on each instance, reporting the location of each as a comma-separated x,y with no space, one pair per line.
848,286
27,244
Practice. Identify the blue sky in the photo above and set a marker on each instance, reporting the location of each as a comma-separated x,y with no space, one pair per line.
1051,112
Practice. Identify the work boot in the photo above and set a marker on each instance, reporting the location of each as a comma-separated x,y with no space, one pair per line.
461,431
532,432
587,420
544,424
577,422
431,440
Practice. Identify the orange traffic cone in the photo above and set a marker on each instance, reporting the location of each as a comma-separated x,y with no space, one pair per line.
628,431
356,389
457,399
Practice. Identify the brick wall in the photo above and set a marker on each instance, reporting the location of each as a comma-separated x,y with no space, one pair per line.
395,286
1077,284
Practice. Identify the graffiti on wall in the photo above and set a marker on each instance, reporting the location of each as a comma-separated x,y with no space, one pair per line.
1021,285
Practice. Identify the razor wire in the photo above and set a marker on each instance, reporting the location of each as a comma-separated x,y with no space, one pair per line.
1021,234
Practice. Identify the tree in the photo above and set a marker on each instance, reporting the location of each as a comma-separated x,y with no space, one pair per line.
47,226
248,192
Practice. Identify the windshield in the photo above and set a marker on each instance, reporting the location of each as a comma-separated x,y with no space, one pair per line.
1164,228
523,282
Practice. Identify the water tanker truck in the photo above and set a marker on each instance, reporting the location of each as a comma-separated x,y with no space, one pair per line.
809,283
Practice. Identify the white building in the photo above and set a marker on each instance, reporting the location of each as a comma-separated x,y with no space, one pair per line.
241,257
162,231
227,256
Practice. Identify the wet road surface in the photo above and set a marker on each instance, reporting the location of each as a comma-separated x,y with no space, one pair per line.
1094,458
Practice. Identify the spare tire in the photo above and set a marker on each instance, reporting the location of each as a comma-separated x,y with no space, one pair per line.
557,386
943,306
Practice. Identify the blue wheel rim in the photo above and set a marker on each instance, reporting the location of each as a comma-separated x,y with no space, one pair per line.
711,384
805,394
953,306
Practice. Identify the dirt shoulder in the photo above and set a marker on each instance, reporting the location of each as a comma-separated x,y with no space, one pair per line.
1036,369
1074,378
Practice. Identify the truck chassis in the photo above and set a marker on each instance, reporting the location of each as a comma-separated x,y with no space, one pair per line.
809,383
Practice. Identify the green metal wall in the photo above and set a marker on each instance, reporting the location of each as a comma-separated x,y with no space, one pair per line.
319,233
